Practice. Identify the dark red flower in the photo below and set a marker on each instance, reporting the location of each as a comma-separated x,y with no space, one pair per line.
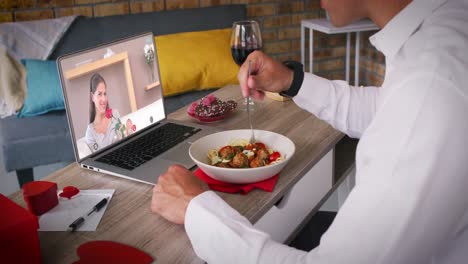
109,113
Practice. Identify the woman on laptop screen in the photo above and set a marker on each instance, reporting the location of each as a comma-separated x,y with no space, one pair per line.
104,126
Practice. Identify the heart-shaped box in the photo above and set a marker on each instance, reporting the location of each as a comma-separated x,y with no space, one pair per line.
40,196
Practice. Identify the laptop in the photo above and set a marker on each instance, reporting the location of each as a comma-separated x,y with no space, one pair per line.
115,107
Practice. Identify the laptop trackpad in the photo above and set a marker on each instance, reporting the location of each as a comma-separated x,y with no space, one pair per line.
180,155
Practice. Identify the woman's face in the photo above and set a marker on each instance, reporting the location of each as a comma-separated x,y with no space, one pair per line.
100,98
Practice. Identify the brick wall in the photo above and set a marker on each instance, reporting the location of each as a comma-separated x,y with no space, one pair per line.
279,19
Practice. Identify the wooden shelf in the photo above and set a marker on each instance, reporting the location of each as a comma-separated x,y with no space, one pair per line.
96,65
151,86
325,26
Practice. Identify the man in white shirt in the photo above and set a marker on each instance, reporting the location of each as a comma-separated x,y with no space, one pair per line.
409,204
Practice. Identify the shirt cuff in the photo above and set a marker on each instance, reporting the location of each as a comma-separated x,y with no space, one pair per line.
313,95
214,228
210,202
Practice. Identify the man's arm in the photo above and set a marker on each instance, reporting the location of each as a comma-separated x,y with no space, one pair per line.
409,200
347,108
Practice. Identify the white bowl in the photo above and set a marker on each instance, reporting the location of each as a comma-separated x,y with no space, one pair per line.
199,149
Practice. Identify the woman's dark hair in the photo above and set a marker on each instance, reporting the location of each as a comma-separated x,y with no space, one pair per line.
96,79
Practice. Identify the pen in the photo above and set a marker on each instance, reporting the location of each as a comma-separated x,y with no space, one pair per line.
78,222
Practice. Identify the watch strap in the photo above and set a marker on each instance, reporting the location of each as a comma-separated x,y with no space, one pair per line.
298,78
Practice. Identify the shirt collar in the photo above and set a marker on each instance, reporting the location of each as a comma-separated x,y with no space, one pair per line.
391,38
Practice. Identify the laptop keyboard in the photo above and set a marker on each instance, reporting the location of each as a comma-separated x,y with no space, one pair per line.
148,146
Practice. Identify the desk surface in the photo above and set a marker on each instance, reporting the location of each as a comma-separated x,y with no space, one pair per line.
128,218
325,26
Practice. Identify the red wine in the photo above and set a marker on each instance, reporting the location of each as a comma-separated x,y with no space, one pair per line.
241,54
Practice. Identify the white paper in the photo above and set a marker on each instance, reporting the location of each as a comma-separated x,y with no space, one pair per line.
67,211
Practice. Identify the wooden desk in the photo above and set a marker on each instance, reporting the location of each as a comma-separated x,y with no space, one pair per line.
128,218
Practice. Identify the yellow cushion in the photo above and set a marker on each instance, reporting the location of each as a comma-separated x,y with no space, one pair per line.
195,61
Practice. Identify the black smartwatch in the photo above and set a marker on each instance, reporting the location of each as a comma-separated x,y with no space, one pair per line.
298,78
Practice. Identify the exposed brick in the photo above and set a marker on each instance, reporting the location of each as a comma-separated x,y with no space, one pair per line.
374,80
6,17
54,3
322,54
181,4
249,1
287,56
338,75
380,69
204,3
296,45
380,58
77,11
366,52
82,2
142,7
111,9
16,4
291,7
338,51
277,21
240,1
34,15
261,10
297,18
289,33
312,5
269,35
333,40
329,65
333,75
366,64
277,47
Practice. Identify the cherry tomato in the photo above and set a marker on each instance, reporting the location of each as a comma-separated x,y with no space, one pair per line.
249,147
260,145
221,149
274,156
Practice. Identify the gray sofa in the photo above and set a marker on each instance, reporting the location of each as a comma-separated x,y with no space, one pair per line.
29,142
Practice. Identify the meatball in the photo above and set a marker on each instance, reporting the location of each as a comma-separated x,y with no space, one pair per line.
263,154
256,162
238,149
240,160
227,152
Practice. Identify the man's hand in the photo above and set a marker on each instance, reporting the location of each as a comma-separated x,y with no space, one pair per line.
174,191
266,75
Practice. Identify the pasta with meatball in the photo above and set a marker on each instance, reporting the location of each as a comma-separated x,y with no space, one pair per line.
240,154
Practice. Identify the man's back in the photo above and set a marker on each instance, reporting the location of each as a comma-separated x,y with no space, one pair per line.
415,149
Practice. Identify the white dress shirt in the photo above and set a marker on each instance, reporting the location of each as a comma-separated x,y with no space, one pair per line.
410,201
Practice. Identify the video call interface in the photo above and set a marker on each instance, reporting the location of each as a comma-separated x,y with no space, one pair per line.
111,92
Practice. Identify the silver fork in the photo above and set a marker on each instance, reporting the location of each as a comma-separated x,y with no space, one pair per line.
252,135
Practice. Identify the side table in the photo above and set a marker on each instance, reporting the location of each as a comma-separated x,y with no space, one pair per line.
324,25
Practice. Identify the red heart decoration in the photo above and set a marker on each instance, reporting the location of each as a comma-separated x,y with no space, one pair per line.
110,252
69,192
40,196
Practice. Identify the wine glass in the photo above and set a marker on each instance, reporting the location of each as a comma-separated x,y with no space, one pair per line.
245,38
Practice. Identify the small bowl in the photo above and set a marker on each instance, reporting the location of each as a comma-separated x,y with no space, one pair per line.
199,149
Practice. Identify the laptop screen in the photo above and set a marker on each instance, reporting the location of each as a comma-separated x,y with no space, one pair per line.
111,92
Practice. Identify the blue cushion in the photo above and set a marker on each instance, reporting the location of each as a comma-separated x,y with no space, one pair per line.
43,88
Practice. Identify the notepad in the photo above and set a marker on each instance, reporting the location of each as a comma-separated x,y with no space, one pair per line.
67,211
